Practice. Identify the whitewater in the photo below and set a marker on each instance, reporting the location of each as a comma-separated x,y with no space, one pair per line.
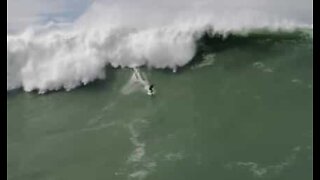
52,56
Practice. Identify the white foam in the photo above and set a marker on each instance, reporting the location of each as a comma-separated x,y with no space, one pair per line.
142,165
208,60
174,156
261,66
270,170
158,34
136,83
141,174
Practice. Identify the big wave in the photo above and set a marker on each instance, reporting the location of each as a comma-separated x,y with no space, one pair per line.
56,56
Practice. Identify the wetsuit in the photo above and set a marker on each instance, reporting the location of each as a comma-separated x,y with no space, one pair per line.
151,88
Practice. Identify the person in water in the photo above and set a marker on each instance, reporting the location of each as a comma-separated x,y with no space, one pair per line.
151,88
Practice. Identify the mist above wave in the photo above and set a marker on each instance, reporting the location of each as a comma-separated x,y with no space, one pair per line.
130,34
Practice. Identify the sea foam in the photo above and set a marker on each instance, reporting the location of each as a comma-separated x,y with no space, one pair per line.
126,34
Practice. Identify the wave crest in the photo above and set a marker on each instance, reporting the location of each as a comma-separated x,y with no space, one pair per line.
53,57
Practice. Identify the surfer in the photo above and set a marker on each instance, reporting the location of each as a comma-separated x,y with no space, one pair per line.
151,91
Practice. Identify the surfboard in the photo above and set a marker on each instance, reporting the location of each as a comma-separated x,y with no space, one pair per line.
151,93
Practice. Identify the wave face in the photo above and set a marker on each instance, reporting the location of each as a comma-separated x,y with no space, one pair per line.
131,34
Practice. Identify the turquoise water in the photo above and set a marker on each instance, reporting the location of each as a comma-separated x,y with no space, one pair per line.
241,110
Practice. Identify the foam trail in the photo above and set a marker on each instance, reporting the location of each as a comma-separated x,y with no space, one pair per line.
271,170
143,166
135,83
126,34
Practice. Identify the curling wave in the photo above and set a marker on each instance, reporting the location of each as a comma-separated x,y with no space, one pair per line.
53,57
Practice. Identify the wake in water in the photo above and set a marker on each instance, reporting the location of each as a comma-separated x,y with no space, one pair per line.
125,34
137,82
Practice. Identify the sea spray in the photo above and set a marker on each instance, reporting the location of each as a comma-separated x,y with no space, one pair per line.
126,34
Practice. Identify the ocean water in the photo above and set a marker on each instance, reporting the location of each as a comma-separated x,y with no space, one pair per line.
241,109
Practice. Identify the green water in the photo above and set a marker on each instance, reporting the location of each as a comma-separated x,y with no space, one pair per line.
244,112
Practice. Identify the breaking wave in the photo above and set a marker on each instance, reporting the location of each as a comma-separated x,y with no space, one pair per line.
55,56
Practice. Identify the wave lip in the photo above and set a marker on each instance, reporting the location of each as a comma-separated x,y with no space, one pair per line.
57,57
